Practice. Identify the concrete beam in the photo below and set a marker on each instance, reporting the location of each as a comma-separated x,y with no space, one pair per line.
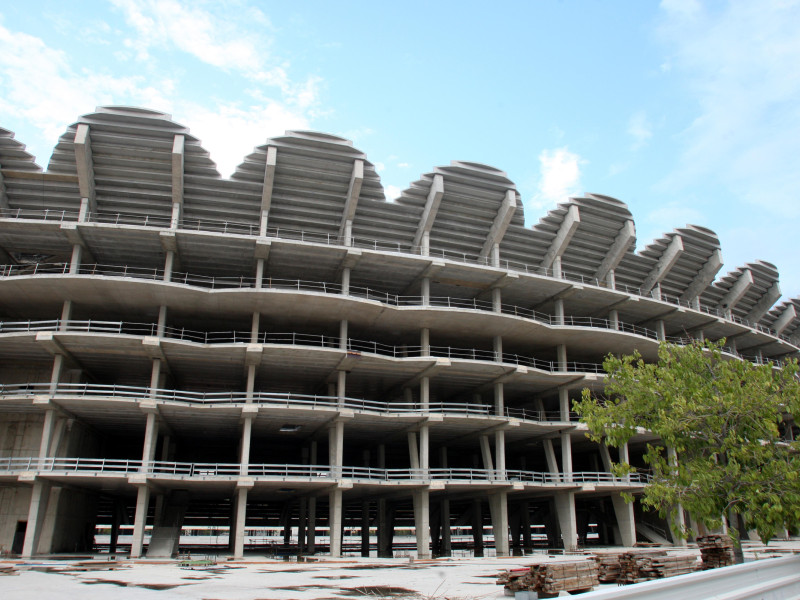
431,208
703,278
73,235
737,292
664,264
568,228
54,347
177,169
353,192
769,298
623,241
785,319
152,346
85,165
429,271
501,222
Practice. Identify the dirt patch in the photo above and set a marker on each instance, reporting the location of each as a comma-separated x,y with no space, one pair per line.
147,586
335,576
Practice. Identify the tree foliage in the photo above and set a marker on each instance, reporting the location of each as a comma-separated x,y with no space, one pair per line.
722,416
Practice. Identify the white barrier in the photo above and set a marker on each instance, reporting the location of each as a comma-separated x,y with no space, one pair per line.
770,579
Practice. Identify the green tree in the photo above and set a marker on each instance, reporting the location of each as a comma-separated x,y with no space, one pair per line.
723,417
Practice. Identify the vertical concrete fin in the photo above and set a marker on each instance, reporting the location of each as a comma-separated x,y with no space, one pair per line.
177,169
664,264
703,278
737,291
501,223
431,208
764,304
623,241
85,166
269,180
785,319
353,192
559,245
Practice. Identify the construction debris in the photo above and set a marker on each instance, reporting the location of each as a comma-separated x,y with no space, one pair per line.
548,579
716,550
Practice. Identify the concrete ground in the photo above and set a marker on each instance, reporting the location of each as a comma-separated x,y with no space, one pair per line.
259,578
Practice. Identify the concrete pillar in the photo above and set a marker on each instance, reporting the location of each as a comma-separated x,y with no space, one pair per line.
497,300
241,514
335,521
561,357
425,291
495,255
312,506
255,325
678,519
564,404
500,453
244,454
557,267
422,524
413,450
660,330
624,458
259,279
425,341
140,520
75,261
251,383
424,449
155,375
625,521
341,386
486,454
150,440
550,456
343,334
424,393
169,263
446,546
346,280
565,510
45,444
613,317
336,447
559,309
55,375
425,246
66,314
497,346
162,320
37,510
566,455
611,279
498,507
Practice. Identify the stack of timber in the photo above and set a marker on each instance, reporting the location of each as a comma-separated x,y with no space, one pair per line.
548,579
716,550
636,567
607,567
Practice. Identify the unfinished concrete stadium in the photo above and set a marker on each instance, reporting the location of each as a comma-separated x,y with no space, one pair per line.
285,358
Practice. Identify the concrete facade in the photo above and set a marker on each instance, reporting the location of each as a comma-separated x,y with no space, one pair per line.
285,349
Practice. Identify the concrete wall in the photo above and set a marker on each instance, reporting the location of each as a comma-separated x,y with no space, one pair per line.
20,434
14,503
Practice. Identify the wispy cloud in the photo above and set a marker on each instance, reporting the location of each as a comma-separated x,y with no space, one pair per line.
640,129
560,177
740,60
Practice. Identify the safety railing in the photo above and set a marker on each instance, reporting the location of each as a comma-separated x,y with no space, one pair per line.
275,399
311,472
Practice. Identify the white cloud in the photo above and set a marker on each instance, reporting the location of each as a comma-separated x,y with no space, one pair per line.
640,129
403,165
392,192
740,60
379,167
40,87
560,177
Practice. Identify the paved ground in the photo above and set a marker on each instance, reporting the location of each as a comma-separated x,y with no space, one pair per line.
259,578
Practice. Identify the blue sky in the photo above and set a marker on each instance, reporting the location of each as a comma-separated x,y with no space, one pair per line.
687,111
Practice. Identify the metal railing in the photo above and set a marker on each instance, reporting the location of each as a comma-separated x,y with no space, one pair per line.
311,472
275,399
252,229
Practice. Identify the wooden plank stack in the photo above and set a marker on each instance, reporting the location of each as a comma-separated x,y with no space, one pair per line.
548,579
607,567
716,550
635,569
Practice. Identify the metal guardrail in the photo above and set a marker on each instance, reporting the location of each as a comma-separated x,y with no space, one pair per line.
274,399
769,579
251,229
311,472
300,339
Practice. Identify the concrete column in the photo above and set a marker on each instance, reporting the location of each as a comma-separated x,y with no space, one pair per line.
497,344
424,450
259,279
660,331
613,317
561,357
559,308
251,383
343,334
564,404
241,515
565,510
625,521
497,300
557,267
169,264
155,374
498,506
336,447
424,393
244,455
624,458
413,451
486,454
162,320
335,521
425,247
566,455
679,519
447,546
425,290
611,279
425,341
341,386
150,440
346,280
422,523
500,453
66,314
140,520
36,514
496,255
499,400
75,261
55,375
255,325
312,506
45,444
550,456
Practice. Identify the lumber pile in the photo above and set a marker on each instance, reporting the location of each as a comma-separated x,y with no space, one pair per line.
548,579
635,567
607,567
716,550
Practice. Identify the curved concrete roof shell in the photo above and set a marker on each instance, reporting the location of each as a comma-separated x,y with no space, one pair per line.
139,162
